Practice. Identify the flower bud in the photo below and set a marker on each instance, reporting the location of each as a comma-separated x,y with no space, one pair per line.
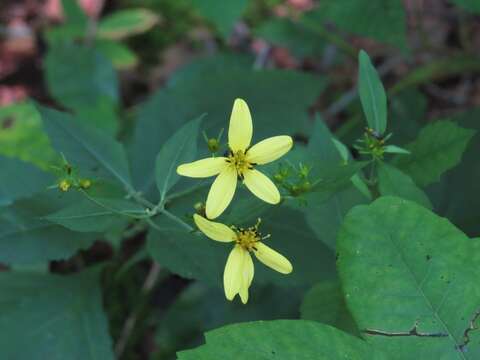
64,185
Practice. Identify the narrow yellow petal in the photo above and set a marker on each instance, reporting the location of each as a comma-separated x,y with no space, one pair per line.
241,128
261,186
272,259
269,149
203,168
221,192
232,276
214,230
247,277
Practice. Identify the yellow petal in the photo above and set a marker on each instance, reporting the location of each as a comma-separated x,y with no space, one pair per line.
269,149
272,259
203,168
232,276
241,128
261,186
247,277
221,192
214,230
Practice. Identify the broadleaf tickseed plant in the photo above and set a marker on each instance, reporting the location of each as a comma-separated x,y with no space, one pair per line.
238,274
239,163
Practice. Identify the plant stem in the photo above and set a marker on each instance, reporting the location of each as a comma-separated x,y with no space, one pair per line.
149,283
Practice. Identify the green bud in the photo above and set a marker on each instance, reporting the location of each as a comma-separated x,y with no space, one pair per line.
213,145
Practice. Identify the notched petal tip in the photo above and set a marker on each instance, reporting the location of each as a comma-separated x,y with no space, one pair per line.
273,259
269,149
241,128
261,186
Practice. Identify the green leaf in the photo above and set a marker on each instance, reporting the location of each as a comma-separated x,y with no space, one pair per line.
280,339
469,5
438,148
25,238
119,54
53,317
223,14
324,303
22,135
394,182
407,271
74,13
180,148
20,180
96,215
211,87
199,308
372,94
77,76
91,150
124,23
381,20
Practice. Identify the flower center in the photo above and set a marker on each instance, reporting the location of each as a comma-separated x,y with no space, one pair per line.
247,238
239,161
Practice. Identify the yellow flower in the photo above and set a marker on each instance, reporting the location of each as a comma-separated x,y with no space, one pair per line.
238,274
239,163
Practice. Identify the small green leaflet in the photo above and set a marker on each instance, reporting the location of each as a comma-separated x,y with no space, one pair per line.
372,94
124,23
180,148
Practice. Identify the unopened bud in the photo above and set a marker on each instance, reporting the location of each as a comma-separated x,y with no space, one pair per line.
213,145
85,183
64,185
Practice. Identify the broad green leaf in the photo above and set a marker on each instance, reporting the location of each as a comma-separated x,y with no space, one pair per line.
223,14
180,148
123,23
119,54
438,148
394,182
211,89
372,94
22,135
469,5
193,255
53,317
27,239
199,308
281,340
381,20
95,215
20,180
325,303
92,151
77,76
409,280
292,35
